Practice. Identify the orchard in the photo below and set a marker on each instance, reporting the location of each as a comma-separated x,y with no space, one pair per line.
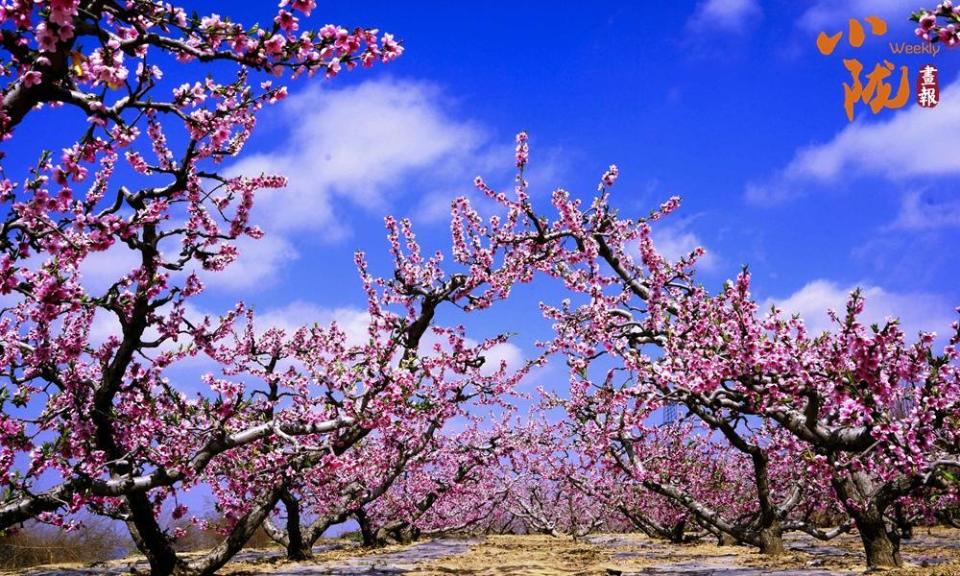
415,428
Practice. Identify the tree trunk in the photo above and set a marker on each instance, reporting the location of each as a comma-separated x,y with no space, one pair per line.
404,535
297,548
163,559
724,539
904,525
208,564
950,517
769,533
771,540
276,534
676,533
882,547
367,532
149,537
727,533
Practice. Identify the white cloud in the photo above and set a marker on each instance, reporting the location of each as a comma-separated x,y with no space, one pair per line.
361,147
506,352
291,317
677,241
358,145
725,15
824,14
258,265
105,324
912,143
100,270
924,211
350,147
916,310
354,322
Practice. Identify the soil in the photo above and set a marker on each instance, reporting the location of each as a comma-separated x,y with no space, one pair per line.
934,552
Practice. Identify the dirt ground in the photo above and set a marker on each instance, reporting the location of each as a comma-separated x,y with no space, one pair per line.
635,554
933,552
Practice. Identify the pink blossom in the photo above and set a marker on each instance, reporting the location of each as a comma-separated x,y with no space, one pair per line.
32,78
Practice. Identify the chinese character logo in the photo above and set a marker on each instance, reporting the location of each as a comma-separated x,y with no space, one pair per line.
928,87
877,94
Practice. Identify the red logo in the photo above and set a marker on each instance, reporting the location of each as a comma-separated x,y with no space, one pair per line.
928,87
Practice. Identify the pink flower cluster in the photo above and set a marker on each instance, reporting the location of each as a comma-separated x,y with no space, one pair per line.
776,424
644,335
930,28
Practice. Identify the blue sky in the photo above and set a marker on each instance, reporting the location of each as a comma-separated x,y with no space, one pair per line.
726,103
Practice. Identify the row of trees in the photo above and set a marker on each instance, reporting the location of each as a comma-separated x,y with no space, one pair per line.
408,430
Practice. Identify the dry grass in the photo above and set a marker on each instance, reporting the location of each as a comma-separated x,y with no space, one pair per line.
542,555
522,556
949,569
37,544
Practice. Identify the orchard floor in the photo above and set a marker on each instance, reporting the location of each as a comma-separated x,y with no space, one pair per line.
930,553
